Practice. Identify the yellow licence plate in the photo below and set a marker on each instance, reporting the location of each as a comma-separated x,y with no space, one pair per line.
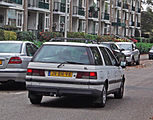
0,62
60,74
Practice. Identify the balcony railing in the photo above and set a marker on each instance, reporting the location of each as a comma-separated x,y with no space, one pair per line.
105,16
133,8
38,4
43,5
119,4
93,12
139,10
138,24
132,23
78,11
59,7
13,1
118,23
125,5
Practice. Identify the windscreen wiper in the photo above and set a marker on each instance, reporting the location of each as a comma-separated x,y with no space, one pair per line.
68,62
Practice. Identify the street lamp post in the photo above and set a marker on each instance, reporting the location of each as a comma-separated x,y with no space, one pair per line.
65,31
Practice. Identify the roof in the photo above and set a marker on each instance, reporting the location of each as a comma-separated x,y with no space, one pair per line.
73,44
14,41
124,42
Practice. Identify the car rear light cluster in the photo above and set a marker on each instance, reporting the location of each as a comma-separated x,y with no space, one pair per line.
35,72
15,60
87,75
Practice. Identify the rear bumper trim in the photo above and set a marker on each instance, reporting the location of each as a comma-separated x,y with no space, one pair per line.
43,90
68,82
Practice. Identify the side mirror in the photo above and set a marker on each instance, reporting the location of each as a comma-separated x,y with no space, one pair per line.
123,64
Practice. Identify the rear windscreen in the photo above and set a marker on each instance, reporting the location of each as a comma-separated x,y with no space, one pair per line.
10,47
59,54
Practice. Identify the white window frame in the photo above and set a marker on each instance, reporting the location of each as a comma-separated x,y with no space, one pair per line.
17,23
47,20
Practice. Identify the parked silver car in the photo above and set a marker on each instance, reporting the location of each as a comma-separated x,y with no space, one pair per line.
131,52
14,59
65,69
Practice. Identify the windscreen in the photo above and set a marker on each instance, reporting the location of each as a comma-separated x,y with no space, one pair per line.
60,54
10,47
125,46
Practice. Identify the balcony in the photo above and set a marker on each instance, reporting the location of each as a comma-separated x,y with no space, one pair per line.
78,11
139,10
132,23
93,12
37,4
106,16
138,24
59,7
125,6
12,1
43,5
118,23
119,4
133,8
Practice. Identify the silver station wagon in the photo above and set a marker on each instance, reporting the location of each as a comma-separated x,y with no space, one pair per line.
14,59
68,68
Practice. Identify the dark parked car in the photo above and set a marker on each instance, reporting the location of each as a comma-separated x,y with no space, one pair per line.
151,53
116,50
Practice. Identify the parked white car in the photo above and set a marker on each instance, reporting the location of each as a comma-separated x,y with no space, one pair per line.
64,69
131,52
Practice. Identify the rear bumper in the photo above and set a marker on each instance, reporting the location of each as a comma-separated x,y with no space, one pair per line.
62,91
17,75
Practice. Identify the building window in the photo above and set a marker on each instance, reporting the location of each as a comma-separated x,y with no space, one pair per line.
47,21
19,19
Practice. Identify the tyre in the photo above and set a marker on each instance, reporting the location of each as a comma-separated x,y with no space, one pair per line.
138,62
35,99
132,62
120,92
101,100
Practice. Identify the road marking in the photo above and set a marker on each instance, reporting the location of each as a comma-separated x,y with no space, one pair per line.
13,93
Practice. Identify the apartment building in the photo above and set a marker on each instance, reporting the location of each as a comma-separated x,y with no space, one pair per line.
118,17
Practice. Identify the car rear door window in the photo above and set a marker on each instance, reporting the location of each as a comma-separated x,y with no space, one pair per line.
96,56
29,50
106,57
114,60
114,47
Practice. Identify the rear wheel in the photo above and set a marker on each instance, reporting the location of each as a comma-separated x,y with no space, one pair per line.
120,92
35,99
101,100
138,62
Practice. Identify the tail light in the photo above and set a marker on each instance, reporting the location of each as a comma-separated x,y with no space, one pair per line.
15,60
35,72
87,75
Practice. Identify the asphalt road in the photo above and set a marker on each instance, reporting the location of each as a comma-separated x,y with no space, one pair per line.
137,103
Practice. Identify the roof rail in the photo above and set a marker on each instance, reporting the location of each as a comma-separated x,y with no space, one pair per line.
61,39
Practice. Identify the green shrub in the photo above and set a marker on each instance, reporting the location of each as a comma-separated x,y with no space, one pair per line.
25,36
38,43
1,34
10,28
9,35
144,47
46,36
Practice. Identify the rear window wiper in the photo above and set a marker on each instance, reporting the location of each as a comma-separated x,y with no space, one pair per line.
69,63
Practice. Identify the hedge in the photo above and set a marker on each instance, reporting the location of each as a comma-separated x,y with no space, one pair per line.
1,34
144,47
46,36
9,35
25,36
